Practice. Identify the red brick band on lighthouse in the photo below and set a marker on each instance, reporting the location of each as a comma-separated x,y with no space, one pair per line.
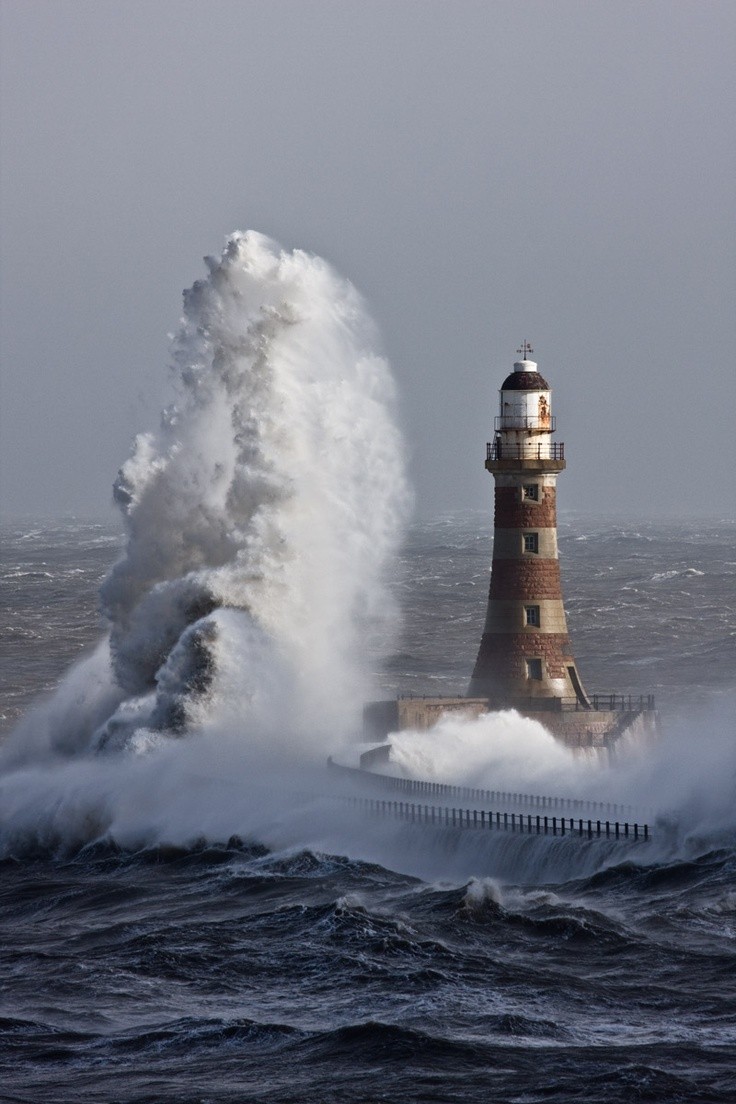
525,657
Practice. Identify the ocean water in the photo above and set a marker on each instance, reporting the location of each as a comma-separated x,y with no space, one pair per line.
191,911
287,950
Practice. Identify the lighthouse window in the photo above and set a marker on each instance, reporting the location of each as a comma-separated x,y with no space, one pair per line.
531,492
531,542
534,668
532,615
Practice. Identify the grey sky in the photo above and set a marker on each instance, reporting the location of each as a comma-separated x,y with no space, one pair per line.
483,172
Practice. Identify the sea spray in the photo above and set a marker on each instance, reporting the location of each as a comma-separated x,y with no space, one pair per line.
499,751
259,519
683,784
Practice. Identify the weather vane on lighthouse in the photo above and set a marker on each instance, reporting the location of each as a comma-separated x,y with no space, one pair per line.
525,350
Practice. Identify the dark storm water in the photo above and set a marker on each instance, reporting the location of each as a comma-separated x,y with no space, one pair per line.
227,971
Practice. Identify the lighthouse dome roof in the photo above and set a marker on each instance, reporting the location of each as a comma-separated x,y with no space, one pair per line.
525,377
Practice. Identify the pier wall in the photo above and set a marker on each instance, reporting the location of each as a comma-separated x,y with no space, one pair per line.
579,729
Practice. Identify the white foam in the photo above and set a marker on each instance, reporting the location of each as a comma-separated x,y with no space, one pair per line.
498,751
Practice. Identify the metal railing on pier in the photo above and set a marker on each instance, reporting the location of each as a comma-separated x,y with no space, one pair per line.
611,703
489,797
483,820
614,703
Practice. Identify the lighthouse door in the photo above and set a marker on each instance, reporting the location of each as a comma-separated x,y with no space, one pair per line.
579,692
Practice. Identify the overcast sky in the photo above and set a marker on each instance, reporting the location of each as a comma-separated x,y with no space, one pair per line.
556,170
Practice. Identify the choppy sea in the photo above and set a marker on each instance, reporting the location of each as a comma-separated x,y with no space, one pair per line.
351,963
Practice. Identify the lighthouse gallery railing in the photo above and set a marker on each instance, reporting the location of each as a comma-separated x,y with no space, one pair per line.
550,450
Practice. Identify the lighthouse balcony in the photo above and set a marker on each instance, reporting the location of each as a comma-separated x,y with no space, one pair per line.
547,423
544,456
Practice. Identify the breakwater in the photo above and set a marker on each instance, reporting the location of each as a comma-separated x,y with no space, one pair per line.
483,819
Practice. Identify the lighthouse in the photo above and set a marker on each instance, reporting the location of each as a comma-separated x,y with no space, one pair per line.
525,660
525,657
